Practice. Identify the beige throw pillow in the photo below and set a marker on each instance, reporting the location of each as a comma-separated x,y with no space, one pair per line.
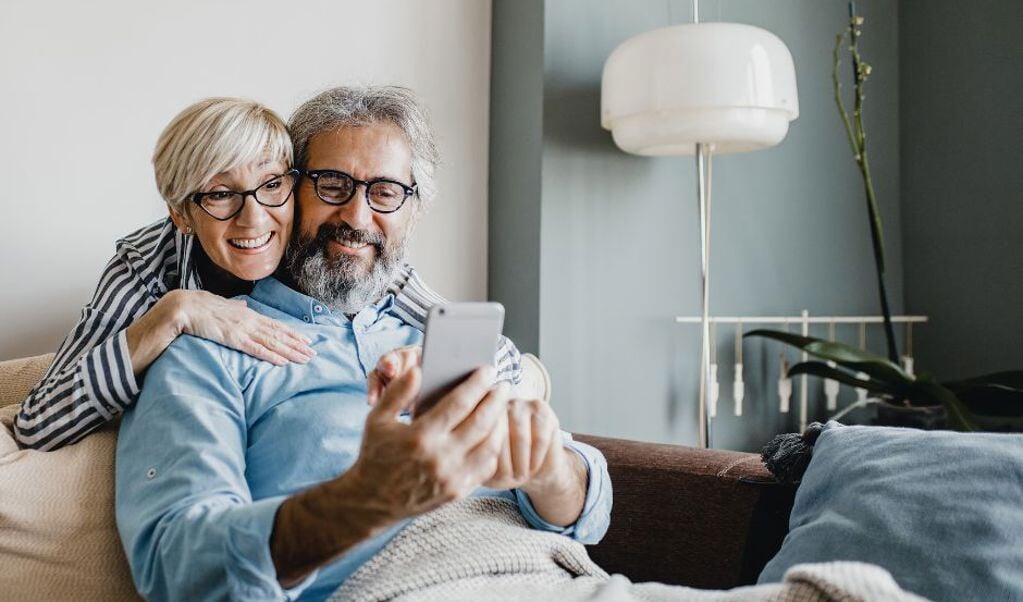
58,538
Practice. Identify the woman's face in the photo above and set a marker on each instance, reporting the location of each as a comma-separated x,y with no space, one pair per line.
250,244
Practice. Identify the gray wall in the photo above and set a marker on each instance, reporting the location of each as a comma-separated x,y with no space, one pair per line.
516,145
618,248
962,182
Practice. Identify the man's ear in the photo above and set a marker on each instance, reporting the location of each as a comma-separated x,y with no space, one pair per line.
183,222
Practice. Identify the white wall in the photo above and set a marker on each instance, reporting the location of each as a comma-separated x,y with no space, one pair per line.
86,88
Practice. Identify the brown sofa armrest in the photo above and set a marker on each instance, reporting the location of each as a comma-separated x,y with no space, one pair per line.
702,518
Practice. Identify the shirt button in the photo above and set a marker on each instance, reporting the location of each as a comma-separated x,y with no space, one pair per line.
306,318
150,473
318,308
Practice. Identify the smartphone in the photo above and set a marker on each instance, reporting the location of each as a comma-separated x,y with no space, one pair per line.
460,337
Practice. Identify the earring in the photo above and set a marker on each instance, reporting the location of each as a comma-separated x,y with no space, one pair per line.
188,229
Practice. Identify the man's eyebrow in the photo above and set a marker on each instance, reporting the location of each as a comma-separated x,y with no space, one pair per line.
372,179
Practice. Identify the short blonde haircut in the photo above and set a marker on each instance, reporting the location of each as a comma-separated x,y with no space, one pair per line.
212,136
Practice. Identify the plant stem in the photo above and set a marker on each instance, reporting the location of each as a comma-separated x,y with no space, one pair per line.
858,140
838,94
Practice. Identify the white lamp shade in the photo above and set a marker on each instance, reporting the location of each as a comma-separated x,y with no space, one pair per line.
729,85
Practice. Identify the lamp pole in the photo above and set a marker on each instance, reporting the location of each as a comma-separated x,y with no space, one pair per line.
703,179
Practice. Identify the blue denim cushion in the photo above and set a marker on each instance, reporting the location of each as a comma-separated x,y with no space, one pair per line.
941,511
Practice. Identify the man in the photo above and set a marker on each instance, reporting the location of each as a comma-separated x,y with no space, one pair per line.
240,480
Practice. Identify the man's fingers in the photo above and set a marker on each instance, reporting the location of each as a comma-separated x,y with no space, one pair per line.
454,407
483,460
520,438
374,386
480,422
398,394
397,361
388,365
546,434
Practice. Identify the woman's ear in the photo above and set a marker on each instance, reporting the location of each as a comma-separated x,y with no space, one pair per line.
183,223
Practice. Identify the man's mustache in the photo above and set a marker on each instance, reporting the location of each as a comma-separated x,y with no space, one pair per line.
342,232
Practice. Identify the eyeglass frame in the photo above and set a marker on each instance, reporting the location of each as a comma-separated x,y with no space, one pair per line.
197,197
314,175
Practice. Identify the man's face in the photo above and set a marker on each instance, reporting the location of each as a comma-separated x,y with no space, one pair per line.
347,255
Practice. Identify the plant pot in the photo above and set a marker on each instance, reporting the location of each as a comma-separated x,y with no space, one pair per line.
899,413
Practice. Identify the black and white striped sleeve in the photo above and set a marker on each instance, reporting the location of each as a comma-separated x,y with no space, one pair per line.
508,361
91,379
413,300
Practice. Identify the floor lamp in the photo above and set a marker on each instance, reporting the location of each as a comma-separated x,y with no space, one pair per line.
699,89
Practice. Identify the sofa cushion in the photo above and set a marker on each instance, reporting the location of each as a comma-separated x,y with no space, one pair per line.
17,377
58,540
939,510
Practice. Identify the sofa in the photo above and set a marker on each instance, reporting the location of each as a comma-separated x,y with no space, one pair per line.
703,518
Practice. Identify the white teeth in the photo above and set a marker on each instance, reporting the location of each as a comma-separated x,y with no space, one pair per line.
351,244
251,243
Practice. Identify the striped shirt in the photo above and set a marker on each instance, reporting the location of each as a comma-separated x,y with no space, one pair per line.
91,379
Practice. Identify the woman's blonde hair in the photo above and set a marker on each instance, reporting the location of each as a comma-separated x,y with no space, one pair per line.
212,136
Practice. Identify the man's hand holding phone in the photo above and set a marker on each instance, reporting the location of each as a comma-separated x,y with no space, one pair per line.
409,469
532,456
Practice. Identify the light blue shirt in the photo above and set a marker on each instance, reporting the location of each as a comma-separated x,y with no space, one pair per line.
218,440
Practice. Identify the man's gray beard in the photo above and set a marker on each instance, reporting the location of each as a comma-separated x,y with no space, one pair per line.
340,282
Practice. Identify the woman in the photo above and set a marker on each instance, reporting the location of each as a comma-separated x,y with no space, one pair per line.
172,277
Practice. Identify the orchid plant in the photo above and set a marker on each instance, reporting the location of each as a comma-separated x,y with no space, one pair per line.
993,401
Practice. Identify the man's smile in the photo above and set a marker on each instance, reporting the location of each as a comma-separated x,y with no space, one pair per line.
351,247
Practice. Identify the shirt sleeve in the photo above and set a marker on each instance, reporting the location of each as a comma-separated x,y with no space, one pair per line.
508,361
91,379
185,514
595,517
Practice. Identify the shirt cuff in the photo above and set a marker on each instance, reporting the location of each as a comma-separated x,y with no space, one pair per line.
251,574
595,517
109,377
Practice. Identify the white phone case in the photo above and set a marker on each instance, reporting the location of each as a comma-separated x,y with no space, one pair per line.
460,337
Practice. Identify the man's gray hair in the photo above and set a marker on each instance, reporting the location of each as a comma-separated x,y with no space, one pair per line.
356,106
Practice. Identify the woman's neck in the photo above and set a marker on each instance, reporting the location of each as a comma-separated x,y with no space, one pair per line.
217,280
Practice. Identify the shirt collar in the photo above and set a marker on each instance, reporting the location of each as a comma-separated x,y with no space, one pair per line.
271,291
188,274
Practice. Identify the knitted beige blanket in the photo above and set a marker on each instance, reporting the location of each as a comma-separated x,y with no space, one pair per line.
481,549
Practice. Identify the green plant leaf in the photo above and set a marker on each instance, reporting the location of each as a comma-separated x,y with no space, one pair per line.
958,415
1010,379
999,394
879,368
825,371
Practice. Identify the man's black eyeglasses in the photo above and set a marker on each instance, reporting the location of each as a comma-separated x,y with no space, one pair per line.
224,204
382,195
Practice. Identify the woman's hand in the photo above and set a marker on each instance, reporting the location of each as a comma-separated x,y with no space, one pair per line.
231,323
226,321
